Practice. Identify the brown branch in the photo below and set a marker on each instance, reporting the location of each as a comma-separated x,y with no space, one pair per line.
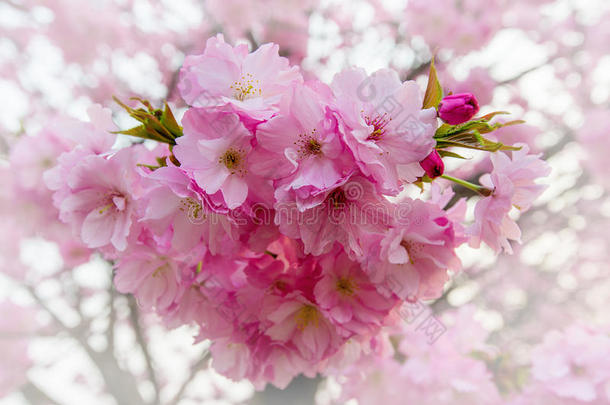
252,40
420,69
173,84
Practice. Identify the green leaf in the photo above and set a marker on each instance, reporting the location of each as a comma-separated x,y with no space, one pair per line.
141,132
168,120
434,90
420,184
480,125
473,143
157,125
446,153
489,116
469,134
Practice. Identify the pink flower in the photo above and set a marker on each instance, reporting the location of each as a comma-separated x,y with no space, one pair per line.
174,202
299,322
492,223
522,170
345,213
98,198
260,360
225,76
413,258
441,197
573,364
388,132
64,139
443,373
154,278
513,184
463,379
31,156
458,108
433,165
348,298
376,380
217,159
301,146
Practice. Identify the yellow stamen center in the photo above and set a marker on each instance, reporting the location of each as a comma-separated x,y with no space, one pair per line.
307,315
308,145
345,286
245,88
233,160
160,270
193,208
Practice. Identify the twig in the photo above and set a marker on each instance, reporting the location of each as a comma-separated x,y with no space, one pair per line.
173,84
252,41
528,71
421,68
111,320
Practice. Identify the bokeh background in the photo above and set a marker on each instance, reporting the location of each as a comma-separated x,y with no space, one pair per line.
67,337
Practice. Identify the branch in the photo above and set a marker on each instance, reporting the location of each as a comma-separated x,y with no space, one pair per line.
36,396
74,333
528,71
111,320
194,370
420,69
252,41
135,321
120,384
173,84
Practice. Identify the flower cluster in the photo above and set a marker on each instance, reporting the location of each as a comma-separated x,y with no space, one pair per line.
567,367
403,367
278,219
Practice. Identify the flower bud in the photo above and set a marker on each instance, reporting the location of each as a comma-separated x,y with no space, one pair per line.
458,108
433,164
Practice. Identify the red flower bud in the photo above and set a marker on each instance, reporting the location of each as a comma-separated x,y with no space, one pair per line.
433,164
458,108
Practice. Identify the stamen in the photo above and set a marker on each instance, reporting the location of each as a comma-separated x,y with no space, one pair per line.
160,270
308,145
233,160
307,315
246,88
379,124
112,200
413,249
337,199
345,286
193,208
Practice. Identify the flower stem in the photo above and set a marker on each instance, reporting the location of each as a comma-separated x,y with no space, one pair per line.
484,191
